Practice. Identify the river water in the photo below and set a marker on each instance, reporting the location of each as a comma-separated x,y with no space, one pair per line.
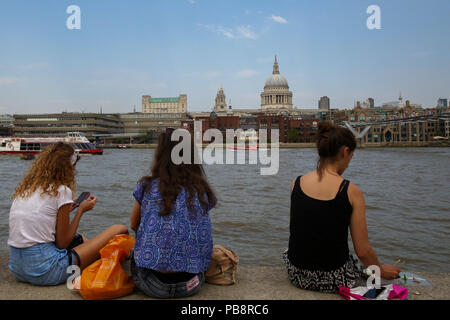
406,192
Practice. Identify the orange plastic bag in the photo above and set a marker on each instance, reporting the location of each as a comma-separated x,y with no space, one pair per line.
105,278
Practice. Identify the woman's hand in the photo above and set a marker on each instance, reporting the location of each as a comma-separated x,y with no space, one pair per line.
389,272
88,204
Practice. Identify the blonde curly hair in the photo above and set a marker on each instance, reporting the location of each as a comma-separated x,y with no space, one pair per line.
52,169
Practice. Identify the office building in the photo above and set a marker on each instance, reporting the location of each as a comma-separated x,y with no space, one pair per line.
58,124
324,103
164,105
442,103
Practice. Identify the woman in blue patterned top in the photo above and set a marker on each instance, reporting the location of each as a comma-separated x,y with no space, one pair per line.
173,228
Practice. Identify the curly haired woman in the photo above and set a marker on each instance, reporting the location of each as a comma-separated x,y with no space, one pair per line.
41,236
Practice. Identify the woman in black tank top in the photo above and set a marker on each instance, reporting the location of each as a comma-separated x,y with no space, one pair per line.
323,207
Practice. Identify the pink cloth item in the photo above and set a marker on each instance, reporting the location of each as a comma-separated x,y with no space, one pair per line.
390,292
398,293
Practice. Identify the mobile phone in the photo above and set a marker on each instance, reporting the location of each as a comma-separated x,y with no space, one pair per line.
83,196
373,293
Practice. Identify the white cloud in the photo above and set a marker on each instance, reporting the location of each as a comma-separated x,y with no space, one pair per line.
191,1
218,29
246,32
240,32
4,81
226,32
278,19
246,73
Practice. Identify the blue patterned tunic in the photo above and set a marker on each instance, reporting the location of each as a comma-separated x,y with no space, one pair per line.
180,241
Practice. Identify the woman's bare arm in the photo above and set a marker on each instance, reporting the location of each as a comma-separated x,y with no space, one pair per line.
135,218
360,238
358,228
66,230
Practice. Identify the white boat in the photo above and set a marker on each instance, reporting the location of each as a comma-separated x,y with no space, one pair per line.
25,145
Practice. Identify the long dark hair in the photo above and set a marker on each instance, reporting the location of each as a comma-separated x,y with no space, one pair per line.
174,176
330,140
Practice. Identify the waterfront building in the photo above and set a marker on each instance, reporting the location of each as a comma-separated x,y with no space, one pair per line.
6,120
59,124
369,103
394,104
276,93
444,126
6,131
413,129
221,104
302,130
324,103
400,101
393,122
415,106
360,114
213,120
292,128
390,105
164,105
136,123
6,125
336,116
442,103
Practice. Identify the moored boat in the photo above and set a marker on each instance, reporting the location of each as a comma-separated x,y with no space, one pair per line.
26,145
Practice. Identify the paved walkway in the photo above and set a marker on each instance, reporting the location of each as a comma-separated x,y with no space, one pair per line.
253,283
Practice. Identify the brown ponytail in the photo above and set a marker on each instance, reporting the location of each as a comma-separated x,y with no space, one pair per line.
330,139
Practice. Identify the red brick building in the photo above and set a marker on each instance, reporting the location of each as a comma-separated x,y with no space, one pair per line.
302,130
291,129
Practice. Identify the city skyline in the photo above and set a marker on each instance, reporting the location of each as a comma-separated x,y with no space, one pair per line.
125,51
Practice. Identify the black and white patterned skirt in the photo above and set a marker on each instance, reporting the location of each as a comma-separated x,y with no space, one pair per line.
348,275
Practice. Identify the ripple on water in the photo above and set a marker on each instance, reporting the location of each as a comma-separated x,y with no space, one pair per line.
406,192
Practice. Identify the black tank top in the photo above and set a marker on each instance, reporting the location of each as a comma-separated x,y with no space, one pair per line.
319,229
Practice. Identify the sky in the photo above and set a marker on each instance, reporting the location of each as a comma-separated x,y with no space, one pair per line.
162,48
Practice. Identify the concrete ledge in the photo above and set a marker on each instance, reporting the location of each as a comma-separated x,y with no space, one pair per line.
253,283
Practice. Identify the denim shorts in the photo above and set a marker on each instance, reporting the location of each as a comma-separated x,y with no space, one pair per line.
42,264
147,282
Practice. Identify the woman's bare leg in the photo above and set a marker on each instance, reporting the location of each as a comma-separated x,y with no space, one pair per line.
89,251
